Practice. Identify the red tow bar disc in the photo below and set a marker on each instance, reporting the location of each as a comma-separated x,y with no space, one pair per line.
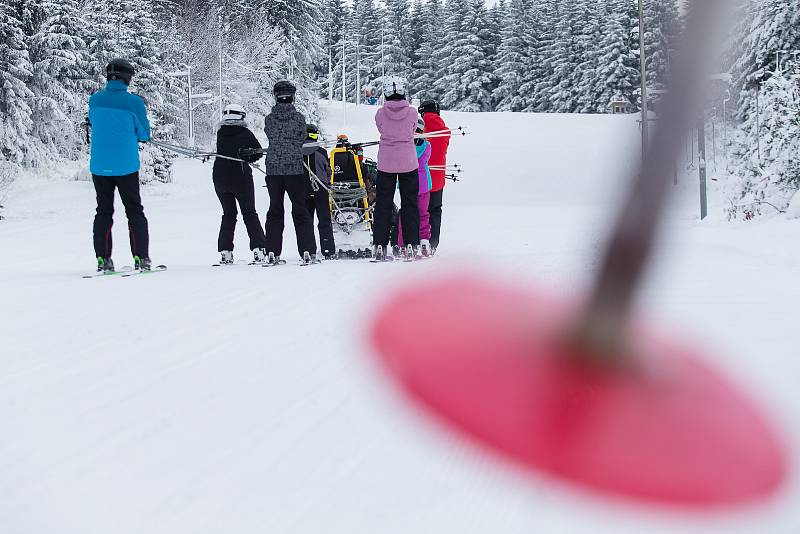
666,429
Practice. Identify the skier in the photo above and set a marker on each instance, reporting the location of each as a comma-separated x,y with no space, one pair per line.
233,182
119,123
423,155
429,109
286,131
369,171
397,162
319,201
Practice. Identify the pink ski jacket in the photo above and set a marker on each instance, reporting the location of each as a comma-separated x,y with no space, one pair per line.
397,123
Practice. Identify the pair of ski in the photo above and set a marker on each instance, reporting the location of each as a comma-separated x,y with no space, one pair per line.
405,257
126,271
276,263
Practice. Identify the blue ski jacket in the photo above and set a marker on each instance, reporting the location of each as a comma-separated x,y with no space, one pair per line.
119,121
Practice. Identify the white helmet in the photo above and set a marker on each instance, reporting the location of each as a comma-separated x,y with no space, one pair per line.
233,111
394,85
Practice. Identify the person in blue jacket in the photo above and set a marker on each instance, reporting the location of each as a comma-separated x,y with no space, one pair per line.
118,122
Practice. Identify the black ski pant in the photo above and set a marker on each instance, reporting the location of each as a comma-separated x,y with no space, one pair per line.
319,202
294,186
409,206
435,209
230,192
128,186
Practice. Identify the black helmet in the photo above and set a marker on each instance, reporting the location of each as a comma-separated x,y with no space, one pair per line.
284,91
120,69
428,106
312,131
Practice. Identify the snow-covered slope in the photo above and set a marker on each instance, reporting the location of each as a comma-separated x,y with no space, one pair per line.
206,400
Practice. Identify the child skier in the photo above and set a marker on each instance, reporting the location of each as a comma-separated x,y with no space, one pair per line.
429,109
397,162
286,131
423,156
233,182
316,163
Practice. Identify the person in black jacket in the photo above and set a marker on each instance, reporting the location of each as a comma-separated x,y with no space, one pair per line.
319,201
286,131
233,182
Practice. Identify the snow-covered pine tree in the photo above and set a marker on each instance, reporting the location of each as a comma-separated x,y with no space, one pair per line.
587,71
766,183
30,13
366,31
661,31
415,31
335,14
559,57
768,27
539,81
618,75
467,84
495,18
513,56
396,38
767,33
16,70
62,78
299,20
445,51
583,58
255,60
425,69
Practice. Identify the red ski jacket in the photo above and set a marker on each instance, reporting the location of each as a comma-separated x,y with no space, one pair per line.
439,145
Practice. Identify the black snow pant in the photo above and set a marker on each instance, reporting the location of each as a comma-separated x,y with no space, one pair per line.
128,186
229,192
435,209
409,206
319,203
278,187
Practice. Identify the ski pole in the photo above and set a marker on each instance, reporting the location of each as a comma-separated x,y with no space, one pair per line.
202,156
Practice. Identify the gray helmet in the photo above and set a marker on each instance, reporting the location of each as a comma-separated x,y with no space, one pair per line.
284,91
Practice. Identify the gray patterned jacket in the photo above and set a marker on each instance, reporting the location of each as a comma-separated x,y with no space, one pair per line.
286,131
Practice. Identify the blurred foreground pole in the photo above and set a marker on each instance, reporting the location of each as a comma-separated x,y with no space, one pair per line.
602,329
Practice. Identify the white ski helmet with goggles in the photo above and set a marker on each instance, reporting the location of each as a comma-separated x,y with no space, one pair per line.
234,111
394,85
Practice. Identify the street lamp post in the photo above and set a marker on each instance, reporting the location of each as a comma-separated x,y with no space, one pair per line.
189,110
190,101
714,137
330,74
344,86
701,151
643,69
725,120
